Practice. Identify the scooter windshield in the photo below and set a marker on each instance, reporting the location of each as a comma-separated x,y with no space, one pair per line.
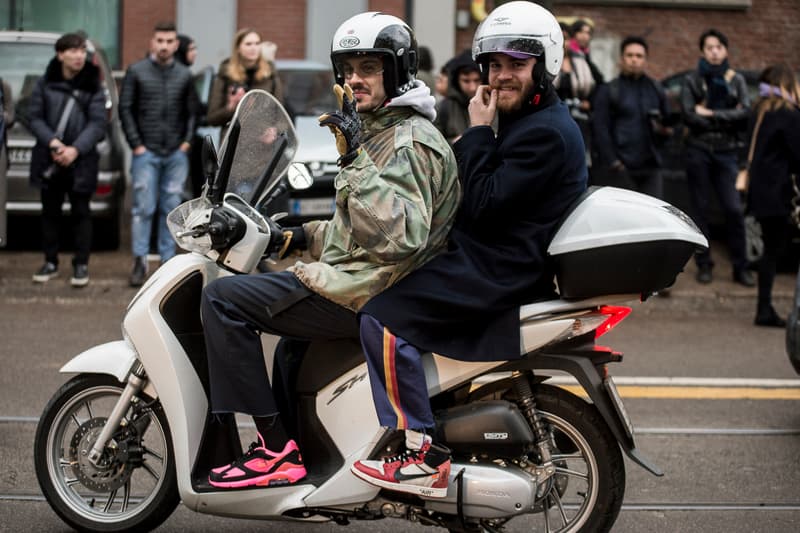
265,128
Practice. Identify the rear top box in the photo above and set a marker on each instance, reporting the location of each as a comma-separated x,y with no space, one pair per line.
616,241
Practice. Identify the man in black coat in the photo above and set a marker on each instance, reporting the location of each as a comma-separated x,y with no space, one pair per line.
716,106
628,115
465,303
66,162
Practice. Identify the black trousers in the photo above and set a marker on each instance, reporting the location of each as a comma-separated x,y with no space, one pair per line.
53,193
644,180
705,170
775,233
236,309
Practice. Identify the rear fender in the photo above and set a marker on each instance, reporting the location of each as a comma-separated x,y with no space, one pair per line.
583,369
113,358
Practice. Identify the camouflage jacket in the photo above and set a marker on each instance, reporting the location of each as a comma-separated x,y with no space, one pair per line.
395,205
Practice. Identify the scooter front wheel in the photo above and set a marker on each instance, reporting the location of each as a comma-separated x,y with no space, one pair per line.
133,486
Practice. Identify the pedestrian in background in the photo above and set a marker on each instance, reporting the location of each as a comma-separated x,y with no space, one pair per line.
775,138
578,80
245,70
452,115
187,50
6,119
425,67
627,124
716,106
157,108
187,54
68,118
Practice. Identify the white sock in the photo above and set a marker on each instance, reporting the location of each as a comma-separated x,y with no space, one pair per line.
416,439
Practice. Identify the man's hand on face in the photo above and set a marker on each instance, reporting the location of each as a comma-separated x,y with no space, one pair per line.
483,106
345,124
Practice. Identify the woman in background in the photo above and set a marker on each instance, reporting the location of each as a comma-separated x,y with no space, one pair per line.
245,70
776,157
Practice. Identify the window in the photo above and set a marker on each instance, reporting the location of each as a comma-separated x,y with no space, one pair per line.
98,18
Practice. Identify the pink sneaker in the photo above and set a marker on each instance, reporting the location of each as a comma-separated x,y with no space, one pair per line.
260,467
424,472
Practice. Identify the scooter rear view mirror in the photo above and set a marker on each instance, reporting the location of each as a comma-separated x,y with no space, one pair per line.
299,177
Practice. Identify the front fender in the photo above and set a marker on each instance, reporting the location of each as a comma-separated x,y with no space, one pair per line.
113,358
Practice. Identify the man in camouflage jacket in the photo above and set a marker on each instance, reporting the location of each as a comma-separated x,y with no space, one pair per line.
396,199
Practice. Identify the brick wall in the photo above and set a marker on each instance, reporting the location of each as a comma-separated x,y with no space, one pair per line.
280,21
767,33
390,7
138,19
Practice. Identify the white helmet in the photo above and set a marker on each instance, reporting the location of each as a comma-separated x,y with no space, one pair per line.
522,28
378,33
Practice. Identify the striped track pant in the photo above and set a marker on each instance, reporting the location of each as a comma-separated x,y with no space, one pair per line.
397,378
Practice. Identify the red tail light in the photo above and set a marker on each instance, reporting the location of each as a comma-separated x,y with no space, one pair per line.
616,314
103,189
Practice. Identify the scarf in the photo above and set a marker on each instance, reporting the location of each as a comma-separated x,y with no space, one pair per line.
718,91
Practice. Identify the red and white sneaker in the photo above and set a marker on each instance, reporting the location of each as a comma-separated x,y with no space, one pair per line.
424,472
260,467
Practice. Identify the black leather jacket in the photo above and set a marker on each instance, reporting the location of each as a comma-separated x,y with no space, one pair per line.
725,130
158,106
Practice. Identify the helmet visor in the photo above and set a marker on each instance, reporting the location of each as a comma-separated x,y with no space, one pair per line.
517,46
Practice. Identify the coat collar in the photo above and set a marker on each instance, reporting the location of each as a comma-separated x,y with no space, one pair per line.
87,79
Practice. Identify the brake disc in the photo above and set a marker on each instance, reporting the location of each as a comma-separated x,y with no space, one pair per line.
112,471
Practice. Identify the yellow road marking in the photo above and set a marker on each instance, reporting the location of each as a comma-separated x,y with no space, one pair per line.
699,393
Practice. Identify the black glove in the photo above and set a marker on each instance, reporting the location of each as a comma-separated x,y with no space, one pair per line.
345,124
276,237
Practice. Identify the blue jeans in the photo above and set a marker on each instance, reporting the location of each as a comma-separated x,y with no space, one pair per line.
157,182
717,170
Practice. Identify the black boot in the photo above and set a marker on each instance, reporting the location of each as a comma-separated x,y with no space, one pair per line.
139,271
768,317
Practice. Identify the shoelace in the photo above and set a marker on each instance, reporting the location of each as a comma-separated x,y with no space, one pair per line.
403,456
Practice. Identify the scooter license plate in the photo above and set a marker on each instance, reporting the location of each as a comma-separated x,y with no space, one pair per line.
613,393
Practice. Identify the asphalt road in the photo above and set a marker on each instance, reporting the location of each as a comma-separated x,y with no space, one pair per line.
732,462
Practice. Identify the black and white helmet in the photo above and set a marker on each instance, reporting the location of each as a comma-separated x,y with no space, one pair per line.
521,29
378,33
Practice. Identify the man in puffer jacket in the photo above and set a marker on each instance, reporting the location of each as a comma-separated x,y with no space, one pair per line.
65,160
157,106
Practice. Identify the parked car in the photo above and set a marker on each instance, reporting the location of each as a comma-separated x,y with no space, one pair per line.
24,56
307,89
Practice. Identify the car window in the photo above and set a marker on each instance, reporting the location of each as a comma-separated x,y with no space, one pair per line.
21,64
307,92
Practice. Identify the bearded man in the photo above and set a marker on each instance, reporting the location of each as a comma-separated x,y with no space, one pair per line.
465,303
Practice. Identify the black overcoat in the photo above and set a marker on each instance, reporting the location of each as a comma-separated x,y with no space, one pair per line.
516,188
85,128
775,159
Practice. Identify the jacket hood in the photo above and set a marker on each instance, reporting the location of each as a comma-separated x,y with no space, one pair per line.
460,63
86,80
419,99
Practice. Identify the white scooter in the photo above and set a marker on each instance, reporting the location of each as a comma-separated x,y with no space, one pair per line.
131,435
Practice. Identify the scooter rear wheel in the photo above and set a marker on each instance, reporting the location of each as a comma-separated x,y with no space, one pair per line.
134,486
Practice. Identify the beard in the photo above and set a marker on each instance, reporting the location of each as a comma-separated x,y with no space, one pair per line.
511,95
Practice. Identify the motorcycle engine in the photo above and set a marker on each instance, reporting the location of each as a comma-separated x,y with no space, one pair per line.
488,429
488,491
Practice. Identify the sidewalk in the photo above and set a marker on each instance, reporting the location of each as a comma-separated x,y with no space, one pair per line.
109,272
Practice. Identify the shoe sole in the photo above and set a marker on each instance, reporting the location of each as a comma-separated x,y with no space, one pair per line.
44,278
428,492
283,478
79,282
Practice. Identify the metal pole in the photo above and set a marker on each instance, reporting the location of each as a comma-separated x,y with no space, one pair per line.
410,13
